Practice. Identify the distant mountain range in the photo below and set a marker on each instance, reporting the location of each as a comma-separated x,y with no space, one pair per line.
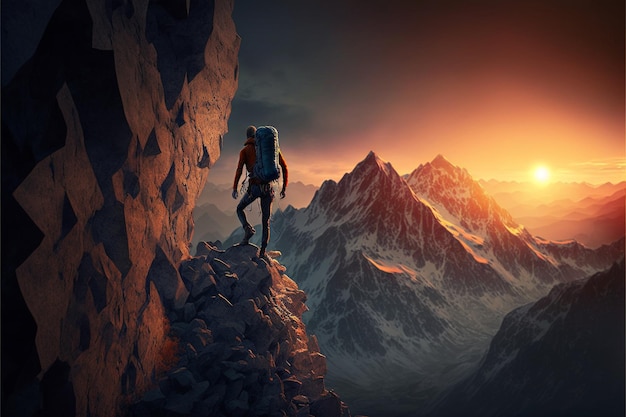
592,221
408,279
215,218
592,215
298,195
518,196
212,224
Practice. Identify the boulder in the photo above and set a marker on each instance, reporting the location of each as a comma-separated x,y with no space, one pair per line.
182,380
327,406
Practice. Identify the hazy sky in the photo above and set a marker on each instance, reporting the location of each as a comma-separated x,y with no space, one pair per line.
497,87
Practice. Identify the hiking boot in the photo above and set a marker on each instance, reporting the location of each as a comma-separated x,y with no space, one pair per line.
249,232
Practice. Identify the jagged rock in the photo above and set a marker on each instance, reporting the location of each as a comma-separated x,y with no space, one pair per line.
313,387
154,399
179,404
318,363
304,411
238,407
108,133
219,266
182,380
191,352
205,283
189,312
198,323
190,271
165,385
252,350
216,307
200,389
200,338
302,360
232,375
327,406
180,328
291,387
207,249
182,403
300,400
212,401
199,278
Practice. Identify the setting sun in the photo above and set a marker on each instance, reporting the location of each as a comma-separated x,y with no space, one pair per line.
542,174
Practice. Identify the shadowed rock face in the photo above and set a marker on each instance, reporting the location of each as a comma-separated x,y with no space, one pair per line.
108,135
560,356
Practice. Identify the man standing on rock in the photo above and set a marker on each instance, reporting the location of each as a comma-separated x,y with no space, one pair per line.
256,189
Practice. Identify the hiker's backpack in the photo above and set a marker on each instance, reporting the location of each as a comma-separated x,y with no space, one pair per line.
266,144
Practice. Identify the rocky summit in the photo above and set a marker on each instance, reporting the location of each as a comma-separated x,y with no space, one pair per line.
241,348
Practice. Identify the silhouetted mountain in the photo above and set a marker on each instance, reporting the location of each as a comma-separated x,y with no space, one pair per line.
560,356
511,194
591,214
298,195
591,221
212,224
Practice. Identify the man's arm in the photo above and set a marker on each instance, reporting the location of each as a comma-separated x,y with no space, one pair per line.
238,172
283,165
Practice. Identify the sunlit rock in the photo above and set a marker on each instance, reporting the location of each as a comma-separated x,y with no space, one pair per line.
108,134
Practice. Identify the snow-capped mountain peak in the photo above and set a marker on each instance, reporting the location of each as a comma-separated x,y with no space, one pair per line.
440,162
373,168
456,194
407,282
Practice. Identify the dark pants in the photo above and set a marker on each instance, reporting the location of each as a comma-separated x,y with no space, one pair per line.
266,193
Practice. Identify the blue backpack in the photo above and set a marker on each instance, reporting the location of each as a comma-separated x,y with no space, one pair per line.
266,144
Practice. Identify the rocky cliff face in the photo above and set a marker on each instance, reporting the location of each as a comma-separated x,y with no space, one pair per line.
108,134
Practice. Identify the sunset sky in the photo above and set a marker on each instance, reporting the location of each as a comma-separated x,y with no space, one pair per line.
497,87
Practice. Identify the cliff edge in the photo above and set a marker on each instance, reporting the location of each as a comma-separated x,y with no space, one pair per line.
241,348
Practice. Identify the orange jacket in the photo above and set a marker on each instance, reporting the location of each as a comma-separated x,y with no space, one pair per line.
247,157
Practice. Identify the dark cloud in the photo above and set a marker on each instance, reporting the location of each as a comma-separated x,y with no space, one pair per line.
330,74
288,119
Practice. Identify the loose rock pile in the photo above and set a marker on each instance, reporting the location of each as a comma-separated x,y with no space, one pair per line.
244,349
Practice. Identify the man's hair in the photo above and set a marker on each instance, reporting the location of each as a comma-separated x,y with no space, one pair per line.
250,131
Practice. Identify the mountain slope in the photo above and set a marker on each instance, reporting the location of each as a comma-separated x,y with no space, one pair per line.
560,356
467,210
211,223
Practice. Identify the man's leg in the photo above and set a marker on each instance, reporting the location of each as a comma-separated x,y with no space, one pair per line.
266,209
246,200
